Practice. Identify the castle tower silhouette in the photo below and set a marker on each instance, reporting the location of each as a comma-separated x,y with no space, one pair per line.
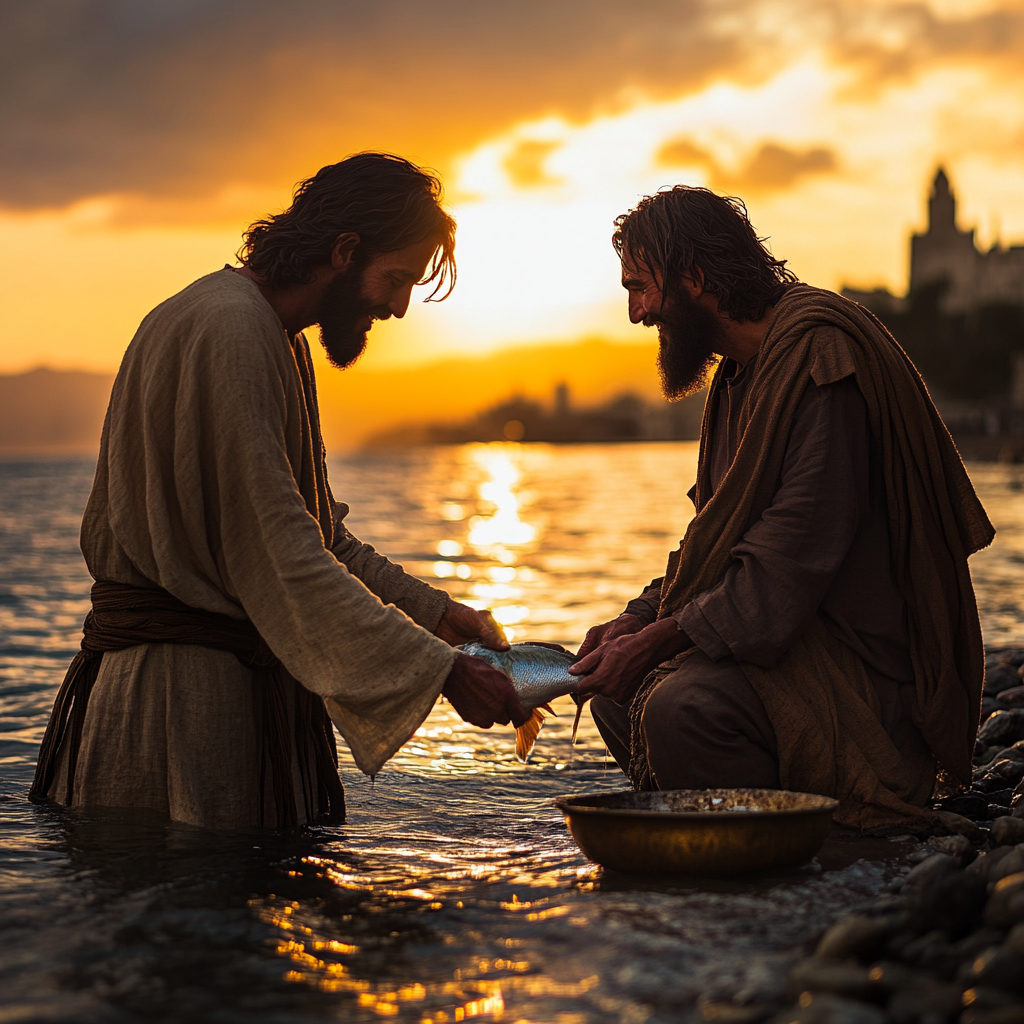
945,253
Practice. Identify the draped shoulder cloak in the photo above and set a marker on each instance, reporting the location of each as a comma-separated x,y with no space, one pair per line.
818,695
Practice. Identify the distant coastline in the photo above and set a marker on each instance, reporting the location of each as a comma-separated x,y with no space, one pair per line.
52,412
626,417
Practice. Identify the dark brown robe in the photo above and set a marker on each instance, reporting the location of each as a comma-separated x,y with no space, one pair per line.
819,682
821,548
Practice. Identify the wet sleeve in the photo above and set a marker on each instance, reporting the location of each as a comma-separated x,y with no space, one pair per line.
783,566
645,607
424,604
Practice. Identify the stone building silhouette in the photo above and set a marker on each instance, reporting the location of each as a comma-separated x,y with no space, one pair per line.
944,252
961,320
947,257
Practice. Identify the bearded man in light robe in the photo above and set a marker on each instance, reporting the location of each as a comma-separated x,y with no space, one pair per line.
234,615
816,630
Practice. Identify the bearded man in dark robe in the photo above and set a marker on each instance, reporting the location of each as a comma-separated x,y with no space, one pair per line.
816,630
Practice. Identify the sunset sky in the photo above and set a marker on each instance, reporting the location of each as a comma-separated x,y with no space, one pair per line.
139,137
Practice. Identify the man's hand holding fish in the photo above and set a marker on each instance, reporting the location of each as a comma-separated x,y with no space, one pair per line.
460,624
616,667
619,626
482,695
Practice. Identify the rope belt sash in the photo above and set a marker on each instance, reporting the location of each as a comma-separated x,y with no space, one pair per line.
123,616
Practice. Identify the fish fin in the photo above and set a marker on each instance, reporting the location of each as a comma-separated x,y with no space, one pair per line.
526,734
576,723
550,710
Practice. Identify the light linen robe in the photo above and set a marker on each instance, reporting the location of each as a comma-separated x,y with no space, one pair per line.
209,466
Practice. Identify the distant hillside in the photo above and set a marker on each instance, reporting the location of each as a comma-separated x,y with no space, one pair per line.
52,410
357,404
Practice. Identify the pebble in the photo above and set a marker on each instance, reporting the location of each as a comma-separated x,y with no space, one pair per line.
990,783
730,1013
957,847
1000,677
856,937
1007,831
912,1005
986,862
889,977
1005,907
822,1008
931,952
983,998
1004,1015
967,805
930,868
1012,656
840,979
1009,769
950,947
1011,864
1015,940
997,967
1005,727
985,755
890,903
962,826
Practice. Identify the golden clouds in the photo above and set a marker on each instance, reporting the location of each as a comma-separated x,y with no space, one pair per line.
182,106
138,139
771,167
525,163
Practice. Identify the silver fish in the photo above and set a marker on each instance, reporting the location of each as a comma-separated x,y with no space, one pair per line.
539,674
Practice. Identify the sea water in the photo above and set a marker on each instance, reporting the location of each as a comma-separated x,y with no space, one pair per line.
454,891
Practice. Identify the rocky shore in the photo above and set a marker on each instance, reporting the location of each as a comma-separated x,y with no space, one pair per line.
947,943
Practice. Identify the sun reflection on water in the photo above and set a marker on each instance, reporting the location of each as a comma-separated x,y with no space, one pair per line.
454,892
496,534
503,528
478,983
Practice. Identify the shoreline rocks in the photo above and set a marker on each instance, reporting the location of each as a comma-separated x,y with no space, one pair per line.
952,949
949,945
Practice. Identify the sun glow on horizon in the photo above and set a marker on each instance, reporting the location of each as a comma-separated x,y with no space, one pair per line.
833,169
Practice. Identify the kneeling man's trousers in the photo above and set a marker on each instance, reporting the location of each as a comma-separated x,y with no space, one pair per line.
704,727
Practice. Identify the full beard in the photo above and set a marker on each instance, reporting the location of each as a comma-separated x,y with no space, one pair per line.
688,346
342,311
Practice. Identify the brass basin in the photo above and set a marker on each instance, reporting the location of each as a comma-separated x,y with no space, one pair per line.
720,832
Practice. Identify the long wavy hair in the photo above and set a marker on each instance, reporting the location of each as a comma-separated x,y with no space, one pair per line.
387,201
682,229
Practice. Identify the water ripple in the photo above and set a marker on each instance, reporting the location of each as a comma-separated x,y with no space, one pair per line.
454,891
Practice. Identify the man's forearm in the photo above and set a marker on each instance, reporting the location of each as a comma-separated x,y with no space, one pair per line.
424,604
645,607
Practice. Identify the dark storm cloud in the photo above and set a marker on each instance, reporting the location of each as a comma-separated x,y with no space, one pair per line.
173,99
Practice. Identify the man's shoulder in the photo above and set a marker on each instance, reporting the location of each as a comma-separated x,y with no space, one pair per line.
807,298
220,317
806,308
830,322
223,293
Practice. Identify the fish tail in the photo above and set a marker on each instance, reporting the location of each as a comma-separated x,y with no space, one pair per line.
526,734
